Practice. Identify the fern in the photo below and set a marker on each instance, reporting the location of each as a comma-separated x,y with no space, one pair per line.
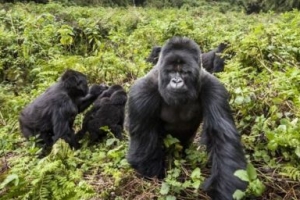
291,172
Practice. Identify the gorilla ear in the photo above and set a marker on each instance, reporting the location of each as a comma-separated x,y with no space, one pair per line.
118,98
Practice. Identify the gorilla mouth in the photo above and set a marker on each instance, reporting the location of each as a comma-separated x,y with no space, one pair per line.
177,90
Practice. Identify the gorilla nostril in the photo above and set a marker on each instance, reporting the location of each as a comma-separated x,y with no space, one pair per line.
176,80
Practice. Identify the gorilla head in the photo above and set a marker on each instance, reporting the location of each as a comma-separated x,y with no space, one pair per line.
75,83
174,98
178,73
153,57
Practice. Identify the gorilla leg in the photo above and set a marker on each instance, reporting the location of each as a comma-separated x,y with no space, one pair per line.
96,134
80,134
71,140
146,153
117,131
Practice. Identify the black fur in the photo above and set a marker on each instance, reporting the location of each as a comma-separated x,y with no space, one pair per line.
175,97
52,114
108,110
211,61
153,57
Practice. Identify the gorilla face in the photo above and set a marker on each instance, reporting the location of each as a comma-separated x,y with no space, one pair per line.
179,74
75,83
82,86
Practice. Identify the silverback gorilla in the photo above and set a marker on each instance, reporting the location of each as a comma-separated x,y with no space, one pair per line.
52,114
108,110
174,98
211,61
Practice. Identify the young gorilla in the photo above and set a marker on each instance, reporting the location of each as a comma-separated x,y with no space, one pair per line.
175,97
153,57
211,61
108,110
52,114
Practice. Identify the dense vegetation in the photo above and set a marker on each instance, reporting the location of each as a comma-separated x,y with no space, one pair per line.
38,42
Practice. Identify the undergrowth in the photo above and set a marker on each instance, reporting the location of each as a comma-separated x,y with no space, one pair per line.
38,42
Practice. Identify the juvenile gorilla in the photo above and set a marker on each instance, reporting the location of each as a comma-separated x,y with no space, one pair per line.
211,61
174,98
52,114
108,110
153,57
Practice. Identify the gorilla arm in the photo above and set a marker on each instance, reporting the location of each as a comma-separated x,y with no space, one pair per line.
222,140
146,140
62,121
84,102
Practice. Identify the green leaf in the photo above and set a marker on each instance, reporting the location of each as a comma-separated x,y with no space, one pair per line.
164,188
110,141
257,187
297,151
170,197
196,173
242,174
197,184
10,178
238,90
239,100
272,145
251,171
238,194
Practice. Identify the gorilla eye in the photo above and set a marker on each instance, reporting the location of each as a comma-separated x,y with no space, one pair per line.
80,82
168,71
186,72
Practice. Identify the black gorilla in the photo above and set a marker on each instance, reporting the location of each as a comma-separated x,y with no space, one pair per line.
52,114
108,110
153,57
211,61
174,98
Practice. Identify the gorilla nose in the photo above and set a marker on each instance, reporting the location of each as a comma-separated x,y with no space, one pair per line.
176,83
176,80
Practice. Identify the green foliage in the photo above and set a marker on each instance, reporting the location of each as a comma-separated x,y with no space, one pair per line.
256,6
38,42
255,187
175,183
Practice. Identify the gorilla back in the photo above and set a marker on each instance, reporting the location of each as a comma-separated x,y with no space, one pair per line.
175,97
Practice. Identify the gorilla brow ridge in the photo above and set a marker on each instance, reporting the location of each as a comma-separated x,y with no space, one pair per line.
184,44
